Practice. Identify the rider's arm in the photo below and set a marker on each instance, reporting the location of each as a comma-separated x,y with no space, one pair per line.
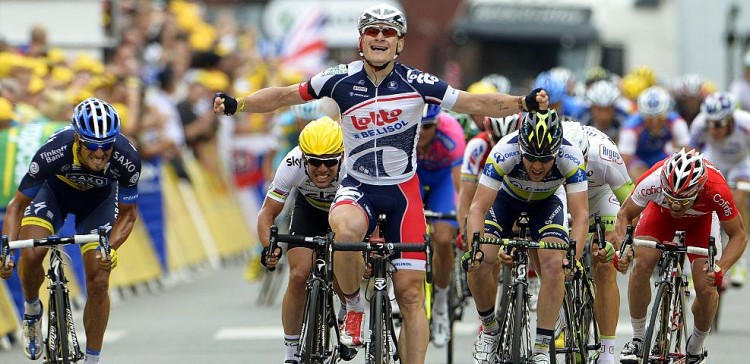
267,99
268,213
465,195
481,203
14,213
123,225
736,244
495,104
578,205
456,176
628,211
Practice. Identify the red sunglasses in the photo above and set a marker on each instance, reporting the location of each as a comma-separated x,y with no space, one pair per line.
388,32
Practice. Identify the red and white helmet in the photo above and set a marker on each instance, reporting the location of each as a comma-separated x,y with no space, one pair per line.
684,174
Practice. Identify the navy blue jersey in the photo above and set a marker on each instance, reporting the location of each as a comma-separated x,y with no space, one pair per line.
56,163
380,122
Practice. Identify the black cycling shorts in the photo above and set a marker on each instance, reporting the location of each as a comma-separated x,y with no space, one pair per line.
307,220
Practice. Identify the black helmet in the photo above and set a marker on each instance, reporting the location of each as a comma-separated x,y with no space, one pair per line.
541,133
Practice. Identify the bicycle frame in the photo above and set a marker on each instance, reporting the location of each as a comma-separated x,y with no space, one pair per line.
382,339
319,315
61,343
667,329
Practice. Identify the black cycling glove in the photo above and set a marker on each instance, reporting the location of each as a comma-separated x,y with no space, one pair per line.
530,99
265,254
230,103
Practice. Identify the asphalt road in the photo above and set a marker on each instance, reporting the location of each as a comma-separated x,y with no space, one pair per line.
211,316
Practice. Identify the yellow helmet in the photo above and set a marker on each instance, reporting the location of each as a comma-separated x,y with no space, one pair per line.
321,137
632,86
481,87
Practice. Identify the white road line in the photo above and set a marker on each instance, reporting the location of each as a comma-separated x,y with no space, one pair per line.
250,333
276,332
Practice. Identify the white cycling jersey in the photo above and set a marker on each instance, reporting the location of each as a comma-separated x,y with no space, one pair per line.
504,169
731,155
475,154
293,174
605,168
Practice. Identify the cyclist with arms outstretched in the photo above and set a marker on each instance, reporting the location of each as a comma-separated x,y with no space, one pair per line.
525,172
314,169
609,186
682,193
381,102
89,170
440,151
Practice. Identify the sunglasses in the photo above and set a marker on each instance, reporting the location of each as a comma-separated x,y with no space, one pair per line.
713,124
93,146
388,32
682,202
542,158
328,162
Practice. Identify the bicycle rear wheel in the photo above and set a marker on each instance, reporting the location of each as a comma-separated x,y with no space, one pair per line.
570,348
312,348
657,342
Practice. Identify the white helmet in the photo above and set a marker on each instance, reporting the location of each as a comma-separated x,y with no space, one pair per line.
382,14
654,101
574,133
718,106
501,83
603,93
683,174
497,128
308,111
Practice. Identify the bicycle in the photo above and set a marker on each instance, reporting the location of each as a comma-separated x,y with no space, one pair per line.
381,346
458,292
61,343
515,330
319,317
667,331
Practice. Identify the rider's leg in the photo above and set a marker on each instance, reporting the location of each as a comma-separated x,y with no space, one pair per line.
96,311
639,287
349,223
412,343
606,304
483,286
551,293
30,268
704,307
442,261
293,305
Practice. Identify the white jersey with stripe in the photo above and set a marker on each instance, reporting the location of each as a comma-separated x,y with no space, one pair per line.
292,173
605,167
728,152
504,169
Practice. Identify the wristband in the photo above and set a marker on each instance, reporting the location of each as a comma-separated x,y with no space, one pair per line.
242,104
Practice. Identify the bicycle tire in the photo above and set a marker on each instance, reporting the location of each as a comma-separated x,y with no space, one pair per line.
310,338
656,343
589,326
378,352
679,332
520,324
61,321
570,330
503,306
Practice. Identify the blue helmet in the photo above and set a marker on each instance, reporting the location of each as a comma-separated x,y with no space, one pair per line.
430,113
554,86
95,120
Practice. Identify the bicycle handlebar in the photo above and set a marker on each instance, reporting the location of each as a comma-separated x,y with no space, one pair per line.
381,247
477,255
101,237
671,248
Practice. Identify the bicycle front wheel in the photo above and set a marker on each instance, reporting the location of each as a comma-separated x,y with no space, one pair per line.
589,327
312,350
58,346
657,341
521,340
